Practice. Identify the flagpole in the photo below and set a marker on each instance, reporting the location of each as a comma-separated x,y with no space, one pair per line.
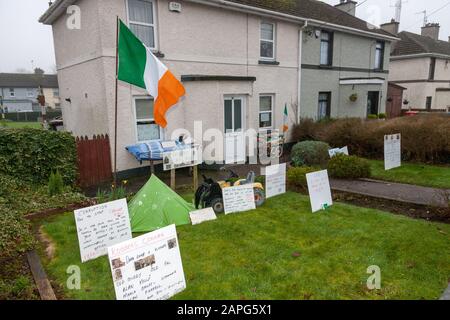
115,106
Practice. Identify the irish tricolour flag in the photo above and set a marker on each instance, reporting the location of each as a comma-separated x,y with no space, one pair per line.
139,66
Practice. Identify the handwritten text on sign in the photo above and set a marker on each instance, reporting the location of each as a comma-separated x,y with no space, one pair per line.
275,180
148,267
102,226
392,151
203,215
319,190
238,199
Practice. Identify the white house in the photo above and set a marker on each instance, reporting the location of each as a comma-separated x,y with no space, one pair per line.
239,60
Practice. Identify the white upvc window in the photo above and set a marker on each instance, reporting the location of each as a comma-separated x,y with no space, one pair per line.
146,128
30,92
12,92
266,102
142,21
55,92
267,41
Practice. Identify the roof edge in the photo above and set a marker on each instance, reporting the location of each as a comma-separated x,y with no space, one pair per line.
55,10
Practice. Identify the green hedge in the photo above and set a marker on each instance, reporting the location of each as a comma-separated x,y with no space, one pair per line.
342,166
32,154
310,153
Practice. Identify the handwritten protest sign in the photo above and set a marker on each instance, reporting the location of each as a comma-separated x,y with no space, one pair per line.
148,267
202,215
101,226
392,151
319,190
275,180
333,152
238,199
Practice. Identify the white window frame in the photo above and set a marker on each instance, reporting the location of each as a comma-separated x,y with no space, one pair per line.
12,92
56,90
161,131
274,41
272,98
30,92
243,99
154,24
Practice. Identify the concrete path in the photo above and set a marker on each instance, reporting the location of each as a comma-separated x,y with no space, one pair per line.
446,295
394,191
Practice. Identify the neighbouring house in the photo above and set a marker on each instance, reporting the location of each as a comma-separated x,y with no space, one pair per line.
19,91
241,62
421,63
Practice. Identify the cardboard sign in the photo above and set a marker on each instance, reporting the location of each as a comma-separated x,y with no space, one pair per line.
148,267
319,190
101,226
392,151
182,158
168,144
275,180
202,215
238,199
333,152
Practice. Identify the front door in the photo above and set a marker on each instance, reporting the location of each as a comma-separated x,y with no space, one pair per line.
373,99
234,111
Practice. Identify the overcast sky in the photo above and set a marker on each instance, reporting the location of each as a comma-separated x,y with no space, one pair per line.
25,43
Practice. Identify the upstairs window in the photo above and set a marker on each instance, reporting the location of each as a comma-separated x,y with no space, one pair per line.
12,93
326,48
146,127
432,69
379,55
267,45
141,17
30,93
56,93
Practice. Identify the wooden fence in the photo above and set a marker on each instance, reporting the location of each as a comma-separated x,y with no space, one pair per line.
94,160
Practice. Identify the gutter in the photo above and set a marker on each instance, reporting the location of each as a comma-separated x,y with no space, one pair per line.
55,10
288,17
420,55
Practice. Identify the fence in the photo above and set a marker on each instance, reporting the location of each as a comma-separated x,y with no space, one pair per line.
94,160
31,116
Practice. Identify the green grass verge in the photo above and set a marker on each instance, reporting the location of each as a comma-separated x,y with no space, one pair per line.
250,255
13,124
411,173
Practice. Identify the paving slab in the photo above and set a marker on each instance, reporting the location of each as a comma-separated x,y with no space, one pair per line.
446,295
394,191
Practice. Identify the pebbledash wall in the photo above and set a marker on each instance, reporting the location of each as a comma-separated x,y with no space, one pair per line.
200,40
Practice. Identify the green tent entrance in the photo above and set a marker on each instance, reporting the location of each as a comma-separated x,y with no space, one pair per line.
156,206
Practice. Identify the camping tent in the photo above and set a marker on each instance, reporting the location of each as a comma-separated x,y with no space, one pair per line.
156,206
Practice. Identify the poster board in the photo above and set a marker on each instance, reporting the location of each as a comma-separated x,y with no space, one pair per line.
238,199
392,151
333,152
101,226
182,158
275,180
319,190
202,215
148,267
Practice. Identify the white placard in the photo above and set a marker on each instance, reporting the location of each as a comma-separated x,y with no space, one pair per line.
202,215
319,190
101,226
238,199
168,144
392,151
275,180
182,158
148,267
333,152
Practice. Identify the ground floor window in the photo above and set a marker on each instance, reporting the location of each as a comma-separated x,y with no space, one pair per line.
373,101
266,111
324,105
233,114
146,127
428,103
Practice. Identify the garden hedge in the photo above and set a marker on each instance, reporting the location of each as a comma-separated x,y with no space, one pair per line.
31,154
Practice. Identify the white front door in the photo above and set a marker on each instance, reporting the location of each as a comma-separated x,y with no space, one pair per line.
234,115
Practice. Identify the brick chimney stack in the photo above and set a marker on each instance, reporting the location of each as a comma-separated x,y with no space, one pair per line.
431,30
391,27
348,6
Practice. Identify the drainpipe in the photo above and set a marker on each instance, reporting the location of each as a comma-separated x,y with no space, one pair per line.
300,48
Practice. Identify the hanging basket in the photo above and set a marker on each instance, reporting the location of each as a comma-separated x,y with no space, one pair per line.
353,97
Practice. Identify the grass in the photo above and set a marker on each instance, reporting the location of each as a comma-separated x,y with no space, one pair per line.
252,255
13,124
411,173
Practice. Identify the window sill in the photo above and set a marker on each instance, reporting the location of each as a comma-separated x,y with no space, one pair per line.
325,66
269,62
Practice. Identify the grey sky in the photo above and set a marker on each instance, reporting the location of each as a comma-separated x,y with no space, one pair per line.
23,39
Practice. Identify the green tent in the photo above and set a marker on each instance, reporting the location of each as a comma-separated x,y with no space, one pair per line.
156,206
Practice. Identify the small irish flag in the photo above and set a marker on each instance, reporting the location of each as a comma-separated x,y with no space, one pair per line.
139,66
285,120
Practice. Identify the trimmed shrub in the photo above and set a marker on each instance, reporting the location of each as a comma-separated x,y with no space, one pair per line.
310,153
382,116
32,154
296,177
55,184
348,167
306,130
372,116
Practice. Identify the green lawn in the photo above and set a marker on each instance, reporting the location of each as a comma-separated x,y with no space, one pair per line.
411,173
250,255
13,124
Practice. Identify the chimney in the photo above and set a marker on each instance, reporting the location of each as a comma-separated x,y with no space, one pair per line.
391,27
431,30
448,38
347,6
